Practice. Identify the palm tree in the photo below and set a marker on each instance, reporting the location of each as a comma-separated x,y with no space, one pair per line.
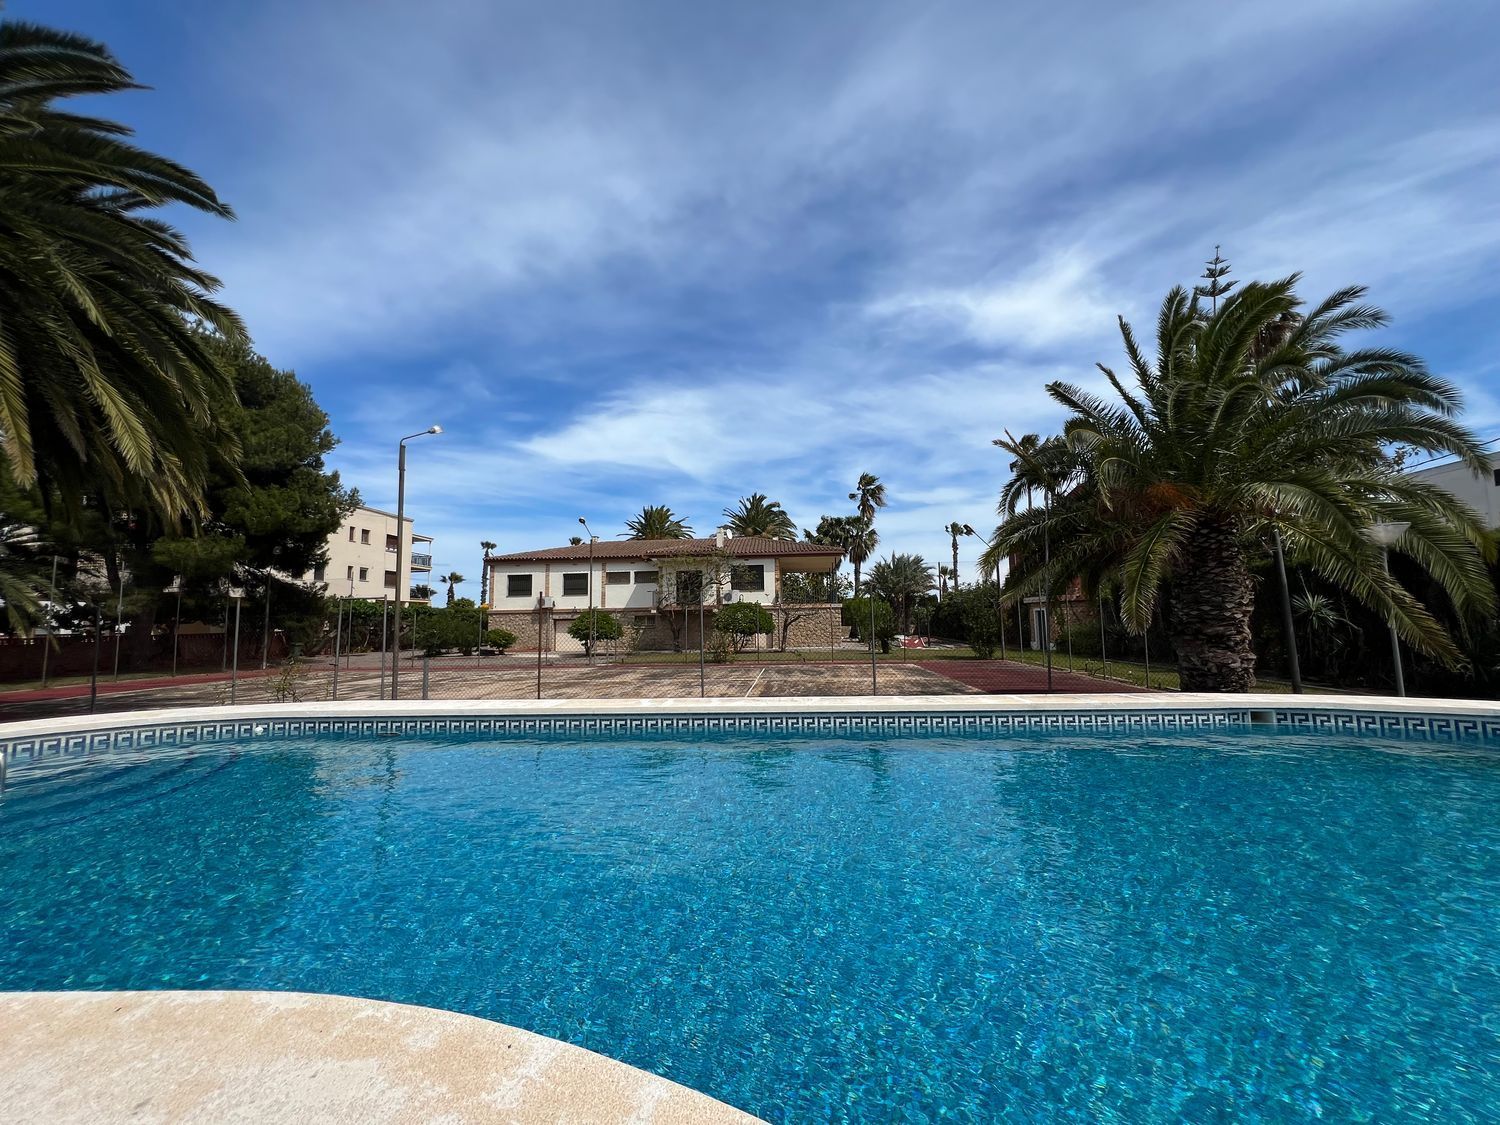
834,531
942,577
868,497
657,522
955,530
484,569
1024,448
756,516
1253,418
901,580
452,578
106,386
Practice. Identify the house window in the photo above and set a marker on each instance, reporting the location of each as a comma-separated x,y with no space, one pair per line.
351,533
349,573
642,620
617,578
1497,476
518,585
689,587
575,585
390,580
320,572
364,574
364,535
747,577
645,577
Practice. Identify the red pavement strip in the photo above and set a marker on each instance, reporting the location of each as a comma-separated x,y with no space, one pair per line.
111,687
1005,677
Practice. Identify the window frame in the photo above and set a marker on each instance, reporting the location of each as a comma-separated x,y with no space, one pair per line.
364,574
646,577
575,575
736,570
617,578
511,580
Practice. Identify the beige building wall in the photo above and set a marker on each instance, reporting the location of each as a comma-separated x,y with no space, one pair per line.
362,557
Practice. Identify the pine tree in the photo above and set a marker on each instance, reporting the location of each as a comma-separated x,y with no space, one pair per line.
1214,273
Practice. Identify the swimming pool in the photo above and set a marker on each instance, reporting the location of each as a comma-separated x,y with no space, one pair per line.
996,923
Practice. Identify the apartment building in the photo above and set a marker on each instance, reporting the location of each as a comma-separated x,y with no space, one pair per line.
1481,492
362,557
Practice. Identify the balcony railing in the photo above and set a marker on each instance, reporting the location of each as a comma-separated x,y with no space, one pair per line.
421,562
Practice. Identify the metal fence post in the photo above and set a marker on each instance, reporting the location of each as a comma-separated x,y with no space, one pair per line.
94,676
1103,650
426,668
234,675
338,633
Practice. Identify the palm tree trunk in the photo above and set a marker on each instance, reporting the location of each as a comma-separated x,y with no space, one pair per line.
1212,601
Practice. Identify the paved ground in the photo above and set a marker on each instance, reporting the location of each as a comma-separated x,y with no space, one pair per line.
515,677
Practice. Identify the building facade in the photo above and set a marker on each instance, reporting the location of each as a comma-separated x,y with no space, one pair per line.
648,585
1482,492
362,557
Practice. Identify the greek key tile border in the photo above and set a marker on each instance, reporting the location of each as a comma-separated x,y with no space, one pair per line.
1391,724
190,732
843,723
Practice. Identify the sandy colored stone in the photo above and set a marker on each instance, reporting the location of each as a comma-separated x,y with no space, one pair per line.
269,1057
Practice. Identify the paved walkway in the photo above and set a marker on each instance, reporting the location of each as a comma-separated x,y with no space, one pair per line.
1009,677
515,677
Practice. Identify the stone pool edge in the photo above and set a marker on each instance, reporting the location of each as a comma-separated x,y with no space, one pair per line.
1411,718
297,1057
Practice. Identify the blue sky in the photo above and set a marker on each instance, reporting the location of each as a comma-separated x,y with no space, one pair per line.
679,252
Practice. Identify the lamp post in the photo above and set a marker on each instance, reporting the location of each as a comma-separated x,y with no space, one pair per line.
1293,664
592,540
401,544
238,595
1385,536
176,587
989,542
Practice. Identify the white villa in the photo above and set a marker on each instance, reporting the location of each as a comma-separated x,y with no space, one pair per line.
553,585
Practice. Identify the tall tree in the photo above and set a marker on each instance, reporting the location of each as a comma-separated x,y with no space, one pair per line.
268,520
868,497
1251,418
756,516
486,547
657,522
452,578
105,387
955,530
901,579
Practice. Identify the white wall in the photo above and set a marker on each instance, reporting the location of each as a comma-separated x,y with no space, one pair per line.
547,579
1480,493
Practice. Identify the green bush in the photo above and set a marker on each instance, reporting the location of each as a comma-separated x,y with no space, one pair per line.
595,623
857,614
500,639
740,622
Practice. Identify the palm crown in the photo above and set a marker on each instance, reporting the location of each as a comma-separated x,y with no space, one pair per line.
103,384
1250,418
657,522
755,515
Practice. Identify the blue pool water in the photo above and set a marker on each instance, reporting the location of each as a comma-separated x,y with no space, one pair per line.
1089,928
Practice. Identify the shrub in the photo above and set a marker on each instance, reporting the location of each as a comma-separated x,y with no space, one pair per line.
500,639
857,614
740,622
595,623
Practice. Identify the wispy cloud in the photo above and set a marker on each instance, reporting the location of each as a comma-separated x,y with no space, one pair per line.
674,253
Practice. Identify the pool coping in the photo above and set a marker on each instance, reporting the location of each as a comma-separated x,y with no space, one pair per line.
1419,719
295,1056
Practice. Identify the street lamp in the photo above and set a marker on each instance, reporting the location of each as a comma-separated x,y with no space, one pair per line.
592,540
1385,536
400,544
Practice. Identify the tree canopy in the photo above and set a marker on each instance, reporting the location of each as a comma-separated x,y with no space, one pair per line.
105,386
657,522
756,515
1251,418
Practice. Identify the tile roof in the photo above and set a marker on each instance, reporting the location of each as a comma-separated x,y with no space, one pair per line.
738,547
